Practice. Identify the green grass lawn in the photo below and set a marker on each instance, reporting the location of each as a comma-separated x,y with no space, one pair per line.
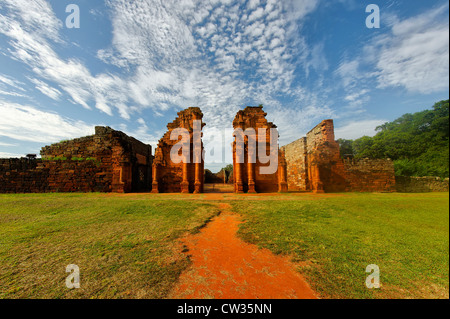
334,237
125,246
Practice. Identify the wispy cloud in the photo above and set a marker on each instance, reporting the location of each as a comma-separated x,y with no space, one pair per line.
415,54
47,90
6,80
7,144
11,155
357,129
213,54
25,123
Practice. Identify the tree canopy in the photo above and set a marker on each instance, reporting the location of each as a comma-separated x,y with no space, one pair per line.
417,143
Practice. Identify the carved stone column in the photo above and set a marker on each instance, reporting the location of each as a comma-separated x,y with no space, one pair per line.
185,182
238,167
282,187
251,177
198,178
155,185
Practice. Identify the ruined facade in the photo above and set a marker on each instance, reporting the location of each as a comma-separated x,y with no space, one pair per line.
188,175
109,161
247,176
314,164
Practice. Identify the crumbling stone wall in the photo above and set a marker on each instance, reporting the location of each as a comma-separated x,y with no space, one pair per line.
369,175
38,176
325,166
247,176
411,184
109,161
21,176
314,164
184,177
296,155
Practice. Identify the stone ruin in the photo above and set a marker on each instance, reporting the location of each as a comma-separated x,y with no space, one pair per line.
314,164
184,177
247,176
111,161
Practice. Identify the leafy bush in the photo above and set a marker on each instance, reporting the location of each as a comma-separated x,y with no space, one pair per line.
418,143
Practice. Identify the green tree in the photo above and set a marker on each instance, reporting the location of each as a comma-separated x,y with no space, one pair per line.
346,147
418,143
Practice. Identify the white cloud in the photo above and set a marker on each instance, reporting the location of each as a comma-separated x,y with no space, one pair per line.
26,123
415,55
174,54
357,129
6,80
47,90
37,17
33,48
355,96
166,51
349,73
316,59
7,144
256,15
9,93
253,4
11,155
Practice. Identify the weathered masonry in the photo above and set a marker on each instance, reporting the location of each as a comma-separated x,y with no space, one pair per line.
186,176
247,176
109,161
314,164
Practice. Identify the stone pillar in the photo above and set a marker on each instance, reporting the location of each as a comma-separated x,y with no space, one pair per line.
251,177
238,167
282,187
185,175
198,178
155,185
203,176
239,182
185,182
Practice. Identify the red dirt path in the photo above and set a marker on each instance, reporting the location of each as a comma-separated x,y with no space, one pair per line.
225,267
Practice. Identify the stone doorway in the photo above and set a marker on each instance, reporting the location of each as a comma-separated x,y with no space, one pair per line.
190,176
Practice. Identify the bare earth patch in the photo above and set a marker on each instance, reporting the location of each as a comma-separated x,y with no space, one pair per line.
225,267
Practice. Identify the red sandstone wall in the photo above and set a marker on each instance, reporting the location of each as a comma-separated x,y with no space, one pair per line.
314,163
169,175
370,175
37,176
325,167
128,159
297,165
255,117
107,161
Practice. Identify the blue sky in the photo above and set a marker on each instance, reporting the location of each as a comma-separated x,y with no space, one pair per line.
133,65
